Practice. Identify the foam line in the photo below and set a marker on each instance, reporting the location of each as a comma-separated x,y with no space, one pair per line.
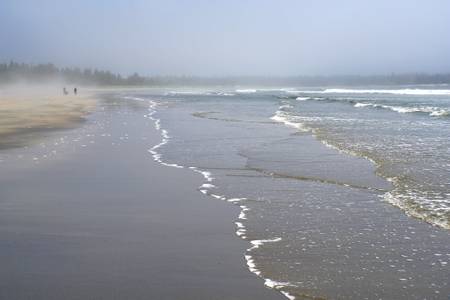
204,189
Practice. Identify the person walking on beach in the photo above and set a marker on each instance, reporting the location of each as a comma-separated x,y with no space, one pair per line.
65,91
75,91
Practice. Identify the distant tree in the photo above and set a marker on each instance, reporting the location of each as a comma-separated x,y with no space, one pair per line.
10,71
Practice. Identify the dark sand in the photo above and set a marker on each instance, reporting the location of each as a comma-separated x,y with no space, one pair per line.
107,222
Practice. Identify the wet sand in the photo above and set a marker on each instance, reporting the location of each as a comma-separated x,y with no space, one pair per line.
107,222
316,215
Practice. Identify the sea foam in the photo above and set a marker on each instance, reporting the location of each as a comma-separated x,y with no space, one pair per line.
204,188
282,117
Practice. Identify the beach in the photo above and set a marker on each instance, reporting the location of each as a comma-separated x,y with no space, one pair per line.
220,194
224,150
100,219
27,112
329,189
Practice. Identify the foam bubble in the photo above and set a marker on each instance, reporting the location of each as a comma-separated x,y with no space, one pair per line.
276,284
239,224
236,200
218,197
207,186
251,265
287,295
258,243
242,214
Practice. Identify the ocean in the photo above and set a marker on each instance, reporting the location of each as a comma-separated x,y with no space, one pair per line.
344,192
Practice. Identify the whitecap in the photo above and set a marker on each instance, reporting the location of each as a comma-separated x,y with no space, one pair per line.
246,91
302,98
282,117
431,110
384,91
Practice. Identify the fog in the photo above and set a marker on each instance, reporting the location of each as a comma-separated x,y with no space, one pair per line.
230,38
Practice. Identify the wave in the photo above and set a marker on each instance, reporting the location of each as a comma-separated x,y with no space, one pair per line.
198,93
246,91
432,208
420,207
302,98
430,110
422,92
252,91
282,117
363,104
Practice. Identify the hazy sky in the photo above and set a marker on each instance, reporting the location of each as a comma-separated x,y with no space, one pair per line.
230,37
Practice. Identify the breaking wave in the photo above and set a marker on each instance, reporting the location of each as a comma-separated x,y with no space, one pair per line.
379,91
430,110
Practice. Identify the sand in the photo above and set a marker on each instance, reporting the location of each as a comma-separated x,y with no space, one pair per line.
27,113
108,222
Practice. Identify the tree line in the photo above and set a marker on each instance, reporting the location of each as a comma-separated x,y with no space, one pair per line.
41,73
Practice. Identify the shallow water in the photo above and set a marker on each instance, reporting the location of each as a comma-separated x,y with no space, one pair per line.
316,217
406,135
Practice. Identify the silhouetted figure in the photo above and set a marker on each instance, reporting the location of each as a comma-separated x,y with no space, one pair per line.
65,91
75,91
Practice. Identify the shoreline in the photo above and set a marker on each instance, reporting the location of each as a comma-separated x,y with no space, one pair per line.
354,227
204,189
110,214
97,225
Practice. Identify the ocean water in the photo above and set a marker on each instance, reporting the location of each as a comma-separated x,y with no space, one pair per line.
405,132
344,193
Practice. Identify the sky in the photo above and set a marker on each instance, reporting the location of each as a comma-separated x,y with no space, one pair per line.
230,37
